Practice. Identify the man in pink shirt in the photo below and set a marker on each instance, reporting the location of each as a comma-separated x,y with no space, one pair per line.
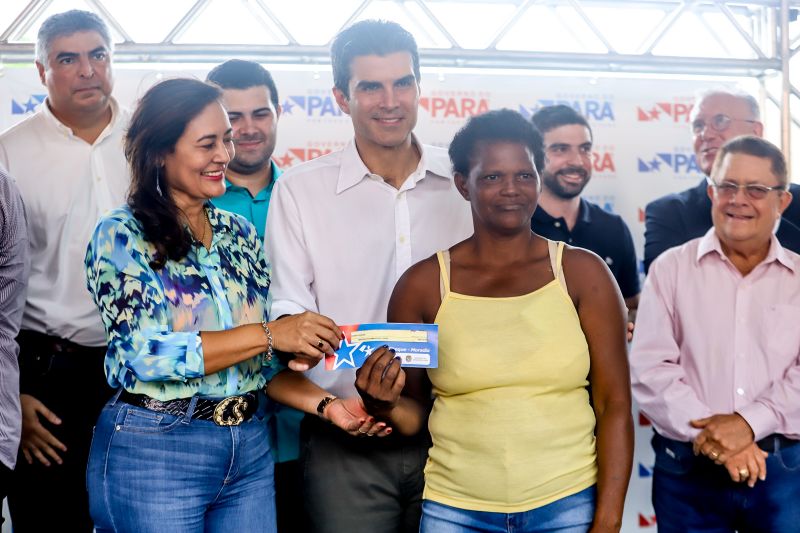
715,360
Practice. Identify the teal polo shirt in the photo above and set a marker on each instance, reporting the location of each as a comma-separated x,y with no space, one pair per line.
239,200
285,424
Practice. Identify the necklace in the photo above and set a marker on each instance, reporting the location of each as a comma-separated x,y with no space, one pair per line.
206,224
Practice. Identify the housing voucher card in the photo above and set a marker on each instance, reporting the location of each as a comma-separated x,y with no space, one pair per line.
417,345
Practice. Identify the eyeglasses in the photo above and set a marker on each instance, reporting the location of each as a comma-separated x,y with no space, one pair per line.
720,122
754,191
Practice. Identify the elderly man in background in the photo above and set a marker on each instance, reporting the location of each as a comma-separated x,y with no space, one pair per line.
715,363
671,220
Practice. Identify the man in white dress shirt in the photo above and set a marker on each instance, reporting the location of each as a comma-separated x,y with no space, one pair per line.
341,230
68,162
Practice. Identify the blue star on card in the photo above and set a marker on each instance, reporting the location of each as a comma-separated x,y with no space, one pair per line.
349,359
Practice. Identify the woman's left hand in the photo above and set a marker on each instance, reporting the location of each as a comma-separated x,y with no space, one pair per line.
349,415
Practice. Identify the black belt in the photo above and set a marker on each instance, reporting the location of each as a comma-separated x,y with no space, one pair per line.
230,411
773,443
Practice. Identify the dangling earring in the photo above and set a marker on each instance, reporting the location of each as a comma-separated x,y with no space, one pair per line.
158,183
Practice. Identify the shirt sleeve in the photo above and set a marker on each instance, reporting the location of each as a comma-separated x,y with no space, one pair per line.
292,271
629,273
657,378
133,307
14,267
777,410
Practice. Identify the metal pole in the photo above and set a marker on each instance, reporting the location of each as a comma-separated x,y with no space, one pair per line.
786,86
30,8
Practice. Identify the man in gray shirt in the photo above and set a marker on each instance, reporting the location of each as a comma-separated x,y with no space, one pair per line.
14,265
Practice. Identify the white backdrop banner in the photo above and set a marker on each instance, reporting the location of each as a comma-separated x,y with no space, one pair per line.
641,134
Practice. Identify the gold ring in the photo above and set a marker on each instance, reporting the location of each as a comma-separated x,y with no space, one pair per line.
363,432
744,472
714,454
320,344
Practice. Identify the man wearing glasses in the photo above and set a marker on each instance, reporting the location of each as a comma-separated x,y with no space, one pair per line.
676,218
714,362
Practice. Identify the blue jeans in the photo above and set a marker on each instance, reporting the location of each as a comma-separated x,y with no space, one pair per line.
573,514
692,494
152,472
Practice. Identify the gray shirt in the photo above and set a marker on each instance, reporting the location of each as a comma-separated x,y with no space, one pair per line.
14,267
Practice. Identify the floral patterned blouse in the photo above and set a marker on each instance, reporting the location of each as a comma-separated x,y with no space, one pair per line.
153,319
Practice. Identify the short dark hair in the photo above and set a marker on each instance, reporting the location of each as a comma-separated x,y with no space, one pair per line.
157,123
757,147
369,37
498,125
67,23
241,74
554,116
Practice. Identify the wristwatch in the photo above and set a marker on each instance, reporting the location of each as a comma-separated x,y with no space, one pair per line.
327,400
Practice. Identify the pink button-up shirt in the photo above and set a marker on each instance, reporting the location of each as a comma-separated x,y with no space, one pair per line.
711,341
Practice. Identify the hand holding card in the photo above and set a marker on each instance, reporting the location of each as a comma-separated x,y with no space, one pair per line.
415,344
380,380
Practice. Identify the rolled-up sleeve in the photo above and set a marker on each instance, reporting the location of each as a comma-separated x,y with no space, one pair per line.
133,306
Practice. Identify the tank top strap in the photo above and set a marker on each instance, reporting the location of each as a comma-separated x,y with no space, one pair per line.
556,250
444,272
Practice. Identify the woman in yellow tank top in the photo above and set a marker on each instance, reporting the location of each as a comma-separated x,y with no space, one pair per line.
526,326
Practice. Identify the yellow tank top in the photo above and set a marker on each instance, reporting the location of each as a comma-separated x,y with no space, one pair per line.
511,424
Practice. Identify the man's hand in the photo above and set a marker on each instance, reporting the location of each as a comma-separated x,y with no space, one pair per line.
722,436
349,415
629,335
36,440
748,465
380,380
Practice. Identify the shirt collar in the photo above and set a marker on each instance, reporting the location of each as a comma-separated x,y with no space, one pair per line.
66,130
710,243
276,173
220,229
352,169
584,213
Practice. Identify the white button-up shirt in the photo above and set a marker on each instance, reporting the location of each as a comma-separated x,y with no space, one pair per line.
66,185
339,237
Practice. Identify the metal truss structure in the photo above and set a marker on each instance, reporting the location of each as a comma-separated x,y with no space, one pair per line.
681,37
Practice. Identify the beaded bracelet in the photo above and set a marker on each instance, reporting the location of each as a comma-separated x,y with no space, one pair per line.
268,333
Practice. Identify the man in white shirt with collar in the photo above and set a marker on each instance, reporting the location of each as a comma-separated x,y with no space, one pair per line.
69,165
341,230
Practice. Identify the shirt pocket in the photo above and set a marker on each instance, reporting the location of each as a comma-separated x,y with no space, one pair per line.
780,327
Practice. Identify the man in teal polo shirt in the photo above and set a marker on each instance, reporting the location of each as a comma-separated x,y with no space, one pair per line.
251,100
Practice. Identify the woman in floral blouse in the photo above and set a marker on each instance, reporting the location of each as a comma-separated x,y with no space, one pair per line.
182,288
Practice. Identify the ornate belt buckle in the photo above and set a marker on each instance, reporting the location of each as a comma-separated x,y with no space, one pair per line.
236,415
